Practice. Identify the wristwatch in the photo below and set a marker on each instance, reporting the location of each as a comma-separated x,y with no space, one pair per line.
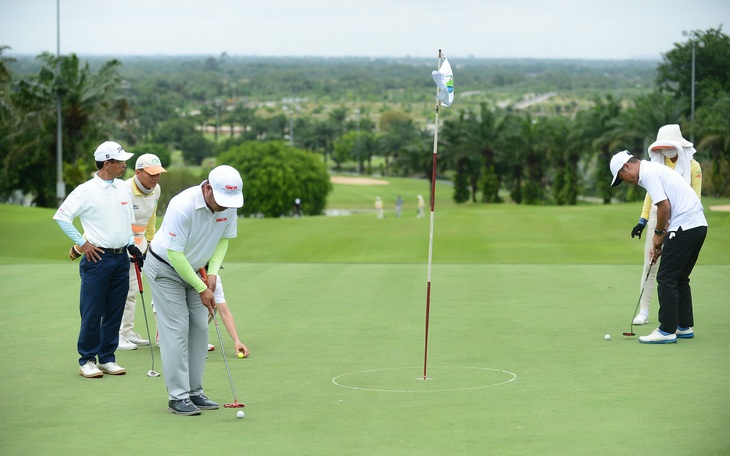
658,232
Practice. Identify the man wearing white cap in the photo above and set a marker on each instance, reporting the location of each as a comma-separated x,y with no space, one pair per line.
672,150
104,205
678,238
145,195
196,228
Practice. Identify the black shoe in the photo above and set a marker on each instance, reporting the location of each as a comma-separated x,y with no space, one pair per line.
182,407
203,402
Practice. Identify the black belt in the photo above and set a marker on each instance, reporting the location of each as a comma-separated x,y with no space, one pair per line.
158,257
118,251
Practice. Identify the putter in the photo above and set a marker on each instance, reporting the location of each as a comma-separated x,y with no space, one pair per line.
235,403
643,286
151,372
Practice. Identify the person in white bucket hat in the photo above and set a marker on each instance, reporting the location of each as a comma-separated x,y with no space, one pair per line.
195,231
672,150
678,239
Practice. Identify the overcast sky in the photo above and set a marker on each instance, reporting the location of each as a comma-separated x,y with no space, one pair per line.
583,29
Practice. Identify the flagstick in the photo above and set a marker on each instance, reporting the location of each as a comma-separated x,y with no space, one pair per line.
430,235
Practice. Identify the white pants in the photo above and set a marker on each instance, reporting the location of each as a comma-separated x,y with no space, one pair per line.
648,247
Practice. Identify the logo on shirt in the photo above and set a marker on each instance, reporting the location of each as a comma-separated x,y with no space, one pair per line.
124,203
222,219
172,234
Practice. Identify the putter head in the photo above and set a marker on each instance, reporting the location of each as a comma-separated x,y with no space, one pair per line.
234,405
153,374
629,334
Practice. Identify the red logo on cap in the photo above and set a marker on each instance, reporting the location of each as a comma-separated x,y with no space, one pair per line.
231,187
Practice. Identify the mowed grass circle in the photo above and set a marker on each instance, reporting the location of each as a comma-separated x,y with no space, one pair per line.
410,379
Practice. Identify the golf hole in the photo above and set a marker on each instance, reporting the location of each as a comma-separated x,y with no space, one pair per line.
410,379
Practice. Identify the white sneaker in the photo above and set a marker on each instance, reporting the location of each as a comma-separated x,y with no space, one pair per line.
136,339
657,337
685,333
641,319
112,368
211,347
89,370
125,344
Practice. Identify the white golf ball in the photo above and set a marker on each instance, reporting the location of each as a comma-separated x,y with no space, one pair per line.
607,337
240,414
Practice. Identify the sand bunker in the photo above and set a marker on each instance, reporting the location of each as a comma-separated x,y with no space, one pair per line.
357,181
724,208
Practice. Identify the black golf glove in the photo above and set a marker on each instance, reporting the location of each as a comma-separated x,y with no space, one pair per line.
639,228
136,254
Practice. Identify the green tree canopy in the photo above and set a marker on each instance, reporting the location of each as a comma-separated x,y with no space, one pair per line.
275,174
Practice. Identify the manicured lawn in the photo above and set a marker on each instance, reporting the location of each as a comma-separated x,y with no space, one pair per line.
333,311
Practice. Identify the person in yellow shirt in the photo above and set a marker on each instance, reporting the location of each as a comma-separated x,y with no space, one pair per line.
145,195
672,150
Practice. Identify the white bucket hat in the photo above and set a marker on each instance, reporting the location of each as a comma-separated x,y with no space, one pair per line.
668,136
227,186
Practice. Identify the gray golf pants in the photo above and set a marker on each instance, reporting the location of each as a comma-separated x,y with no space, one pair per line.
182,322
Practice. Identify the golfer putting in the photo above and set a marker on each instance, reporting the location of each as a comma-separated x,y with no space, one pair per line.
196,228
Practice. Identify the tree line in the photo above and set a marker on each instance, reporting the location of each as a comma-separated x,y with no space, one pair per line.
353,110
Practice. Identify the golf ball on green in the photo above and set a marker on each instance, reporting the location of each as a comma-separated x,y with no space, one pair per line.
240,355
607,337
240,414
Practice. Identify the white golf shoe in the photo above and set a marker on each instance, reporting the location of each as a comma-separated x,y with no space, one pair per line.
112,368
136,339
685,333
89,370
658,337
641,319
125,344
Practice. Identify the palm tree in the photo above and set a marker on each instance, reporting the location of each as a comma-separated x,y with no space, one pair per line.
89,101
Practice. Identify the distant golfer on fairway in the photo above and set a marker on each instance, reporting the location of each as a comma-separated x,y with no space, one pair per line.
195,230
678,238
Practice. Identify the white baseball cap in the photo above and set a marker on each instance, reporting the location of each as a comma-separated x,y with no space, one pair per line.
109,150
617,162
227,186
150,163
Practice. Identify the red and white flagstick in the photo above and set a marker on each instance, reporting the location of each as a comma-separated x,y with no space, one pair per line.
430,235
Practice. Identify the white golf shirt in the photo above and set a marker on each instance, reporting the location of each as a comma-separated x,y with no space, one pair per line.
190,227
662,183
105,210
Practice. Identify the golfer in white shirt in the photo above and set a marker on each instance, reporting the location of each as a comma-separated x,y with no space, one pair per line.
195,230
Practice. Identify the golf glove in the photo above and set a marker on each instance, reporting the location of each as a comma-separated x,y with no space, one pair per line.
639,228
136,255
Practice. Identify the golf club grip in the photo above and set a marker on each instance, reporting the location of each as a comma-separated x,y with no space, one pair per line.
203,275
139,276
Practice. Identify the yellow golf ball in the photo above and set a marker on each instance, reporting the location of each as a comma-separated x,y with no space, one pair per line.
240,355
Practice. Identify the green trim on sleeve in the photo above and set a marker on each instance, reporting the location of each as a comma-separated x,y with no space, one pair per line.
183,267
214,264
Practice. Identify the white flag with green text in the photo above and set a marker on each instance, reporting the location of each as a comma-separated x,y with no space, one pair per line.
444,79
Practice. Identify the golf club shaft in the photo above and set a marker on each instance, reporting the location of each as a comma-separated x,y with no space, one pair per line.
152,372
643,287
204,276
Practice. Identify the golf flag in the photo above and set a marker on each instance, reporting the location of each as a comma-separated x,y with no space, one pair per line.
444,79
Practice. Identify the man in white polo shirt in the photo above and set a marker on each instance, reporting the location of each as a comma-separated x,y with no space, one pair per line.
104,205
195,230
680,231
